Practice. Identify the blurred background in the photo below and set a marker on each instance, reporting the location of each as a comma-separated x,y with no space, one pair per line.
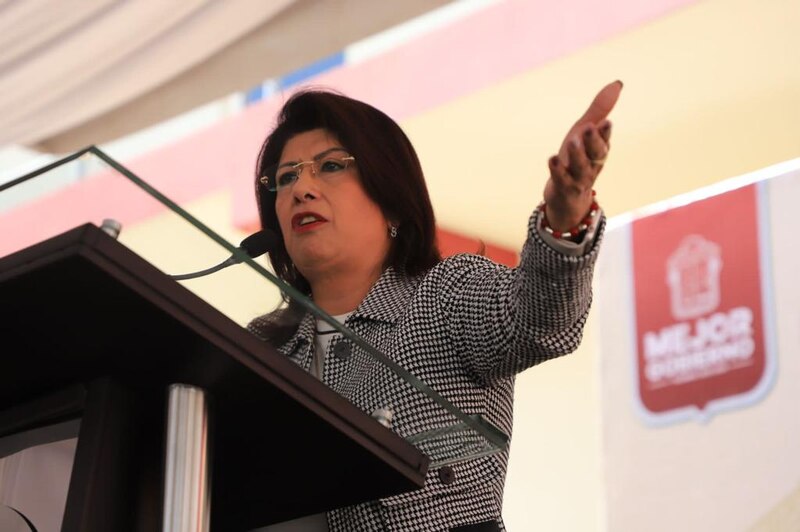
183,93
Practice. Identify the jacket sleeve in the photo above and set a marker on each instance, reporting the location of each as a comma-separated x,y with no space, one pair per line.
503,320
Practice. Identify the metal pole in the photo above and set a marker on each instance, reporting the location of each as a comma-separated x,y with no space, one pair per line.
187,501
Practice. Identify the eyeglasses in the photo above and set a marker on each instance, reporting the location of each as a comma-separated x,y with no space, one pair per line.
326,164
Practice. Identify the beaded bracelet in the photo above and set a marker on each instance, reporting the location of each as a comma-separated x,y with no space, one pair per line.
575,231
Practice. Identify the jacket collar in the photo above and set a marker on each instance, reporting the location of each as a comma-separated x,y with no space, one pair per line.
386,301
388,298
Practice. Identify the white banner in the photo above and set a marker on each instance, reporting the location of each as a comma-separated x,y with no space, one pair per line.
699,309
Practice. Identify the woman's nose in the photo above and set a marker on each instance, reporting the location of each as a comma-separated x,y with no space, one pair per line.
306,185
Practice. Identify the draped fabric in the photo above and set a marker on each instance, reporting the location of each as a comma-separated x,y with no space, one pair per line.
65,63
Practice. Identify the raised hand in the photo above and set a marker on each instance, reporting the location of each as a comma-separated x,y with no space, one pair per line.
568,192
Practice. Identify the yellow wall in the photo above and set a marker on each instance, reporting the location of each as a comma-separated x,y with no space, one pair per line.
711,91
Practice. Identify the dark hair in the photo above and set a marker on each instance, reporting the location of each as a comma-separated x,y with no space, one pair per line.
390,172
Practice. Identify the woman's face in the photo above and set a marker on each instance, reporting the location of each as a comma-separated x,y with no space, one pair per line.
329,224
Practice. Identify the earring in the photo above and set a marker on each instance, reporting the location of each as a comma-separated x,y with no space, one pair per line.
393,231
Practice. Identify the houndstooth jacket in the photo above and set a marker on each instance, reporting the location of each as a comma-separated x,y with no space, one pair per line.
465,328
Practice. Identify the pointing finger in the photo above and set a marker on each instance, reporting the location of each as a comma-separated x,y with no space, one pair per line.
602,104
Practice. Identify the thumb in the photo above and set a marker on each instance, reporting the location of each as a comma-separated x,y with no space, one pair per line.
602,104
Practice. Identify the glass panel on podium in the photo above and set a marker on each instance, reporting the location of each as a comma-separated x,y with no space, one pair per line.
35,468
160,220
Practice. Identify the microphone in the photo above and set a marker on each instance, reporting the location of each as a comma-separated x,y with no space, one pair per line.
254,245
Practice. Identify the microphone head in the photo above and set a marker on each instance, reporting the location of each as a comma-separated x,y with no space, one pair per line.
259,243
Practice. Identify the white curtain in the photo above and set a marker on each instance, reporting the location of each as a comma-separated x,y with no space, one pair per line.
63,62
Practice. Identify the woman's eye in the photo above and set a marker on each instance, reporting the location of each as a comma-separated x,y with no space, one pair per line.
285,179
331,165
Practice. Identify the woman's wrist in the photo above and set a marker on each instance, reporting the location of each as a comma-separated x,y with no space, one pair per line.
575,232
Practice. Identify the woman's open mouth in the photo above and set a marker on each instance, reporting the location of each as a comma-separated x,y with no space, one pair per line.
306,221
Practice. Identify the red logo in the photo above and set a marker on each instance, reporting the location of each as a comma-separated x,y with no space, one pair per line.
700,333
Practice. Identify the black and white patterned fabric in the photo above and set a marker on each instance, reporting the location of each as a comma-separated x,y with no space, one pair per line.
466,328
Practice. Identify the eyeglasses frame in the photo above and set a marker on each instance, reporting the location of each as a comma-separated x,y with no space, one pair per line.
264,179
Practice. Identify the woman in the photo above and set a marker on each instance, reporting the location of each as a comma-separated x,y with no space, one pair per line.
341,184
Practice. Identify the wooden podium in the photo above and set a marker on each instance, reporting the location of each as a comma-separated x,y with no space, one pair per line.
92,331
